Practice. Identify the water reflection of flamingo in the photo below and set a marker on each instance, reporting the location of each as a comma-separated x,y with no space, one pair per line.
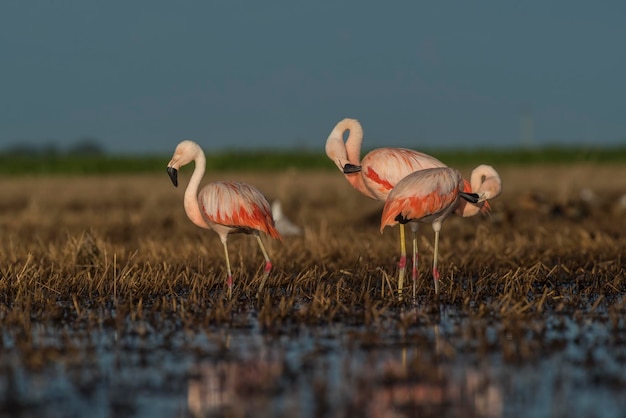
429,195
226,207
394,385
232,386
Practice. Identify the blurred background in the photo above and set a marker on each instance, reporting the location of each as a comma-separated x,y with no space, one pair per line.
136,77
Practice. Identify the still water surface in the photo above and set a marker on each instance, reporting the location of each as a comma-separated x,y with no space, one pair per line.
454,366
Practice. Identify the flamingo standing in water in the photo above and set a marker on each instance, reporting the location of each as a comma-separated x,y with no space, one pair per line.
428,195
382,168
377,174
226,207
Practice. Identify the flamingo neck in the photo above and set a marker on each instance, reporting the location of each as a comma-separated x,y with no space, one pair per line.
354,141
192,208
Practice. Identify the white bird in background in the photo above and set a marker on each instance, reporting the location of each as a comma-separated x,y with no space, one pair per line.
282,223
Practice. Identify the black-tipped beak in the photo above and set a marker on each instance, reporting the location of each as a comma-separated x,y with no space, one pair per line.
351,169
470,197
173,173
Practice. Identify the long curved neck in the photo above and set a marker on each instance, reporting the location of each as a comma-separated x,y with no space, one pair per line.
354,141
192,208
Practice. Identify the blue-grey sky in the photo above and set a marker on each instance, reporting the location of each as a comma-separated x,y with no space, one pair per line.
142,75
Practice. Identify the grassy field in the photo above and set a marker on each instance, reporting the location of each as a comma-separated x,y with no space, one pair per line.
117,252
71,244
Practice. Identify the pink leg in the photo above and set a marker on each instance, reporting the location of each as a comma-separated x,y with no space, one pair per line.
402,262
268,267
435,273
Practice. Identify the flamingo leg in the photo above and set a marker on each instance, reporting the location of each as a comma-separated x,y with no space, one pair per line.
268,265
437,228
414,272
402,262
229,277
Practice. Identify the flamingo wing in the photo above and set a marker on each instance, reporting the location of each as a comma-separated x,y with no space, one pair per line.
421,194
383,168
237,205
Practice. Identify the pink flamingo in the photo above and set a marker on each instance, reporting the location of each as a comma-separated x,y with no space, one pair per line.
226,207
376,175
428,195
379,171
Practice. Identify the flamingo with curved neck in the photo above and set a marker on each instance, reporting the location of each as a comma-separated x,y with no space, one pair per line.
379,172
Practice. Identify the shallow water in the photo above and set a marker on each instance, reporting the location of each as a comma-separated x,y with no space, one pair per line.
454,366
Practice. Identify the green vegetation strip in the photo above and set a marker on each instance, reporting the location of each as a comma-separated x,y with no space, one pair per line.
18,164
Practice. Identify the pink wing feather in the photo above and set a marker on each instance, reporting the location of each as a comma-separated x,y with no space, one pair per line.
383,168
422,193
237,205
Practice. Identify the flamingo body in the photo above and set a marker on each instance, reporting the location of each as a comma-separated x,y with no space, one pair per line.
234,207
226,207
428,195
380,169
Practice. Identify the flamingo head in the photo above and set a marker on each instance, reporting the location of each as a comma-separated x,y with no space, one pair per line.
185,152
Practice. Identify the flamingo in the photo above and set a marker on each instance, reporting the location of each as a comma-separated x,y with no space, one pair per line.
226,207
429,196
379,171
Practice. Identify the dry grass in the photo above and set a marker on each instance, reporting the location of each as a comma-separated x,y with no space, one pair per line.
108,250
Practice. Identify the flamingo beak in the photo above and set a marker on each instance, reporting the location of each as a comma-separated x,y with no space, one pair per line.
173,173
351,169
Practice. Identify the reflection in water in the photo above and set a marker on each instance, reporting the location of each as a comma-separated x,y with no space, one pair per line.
232,387
326,371
309,381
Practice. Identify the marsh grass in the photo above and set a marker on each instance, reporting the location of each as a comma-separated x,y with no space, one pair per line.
118,251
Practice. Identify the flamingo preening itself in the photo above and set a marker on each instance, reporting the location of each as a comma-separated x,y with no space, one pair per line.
382,168
429,196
